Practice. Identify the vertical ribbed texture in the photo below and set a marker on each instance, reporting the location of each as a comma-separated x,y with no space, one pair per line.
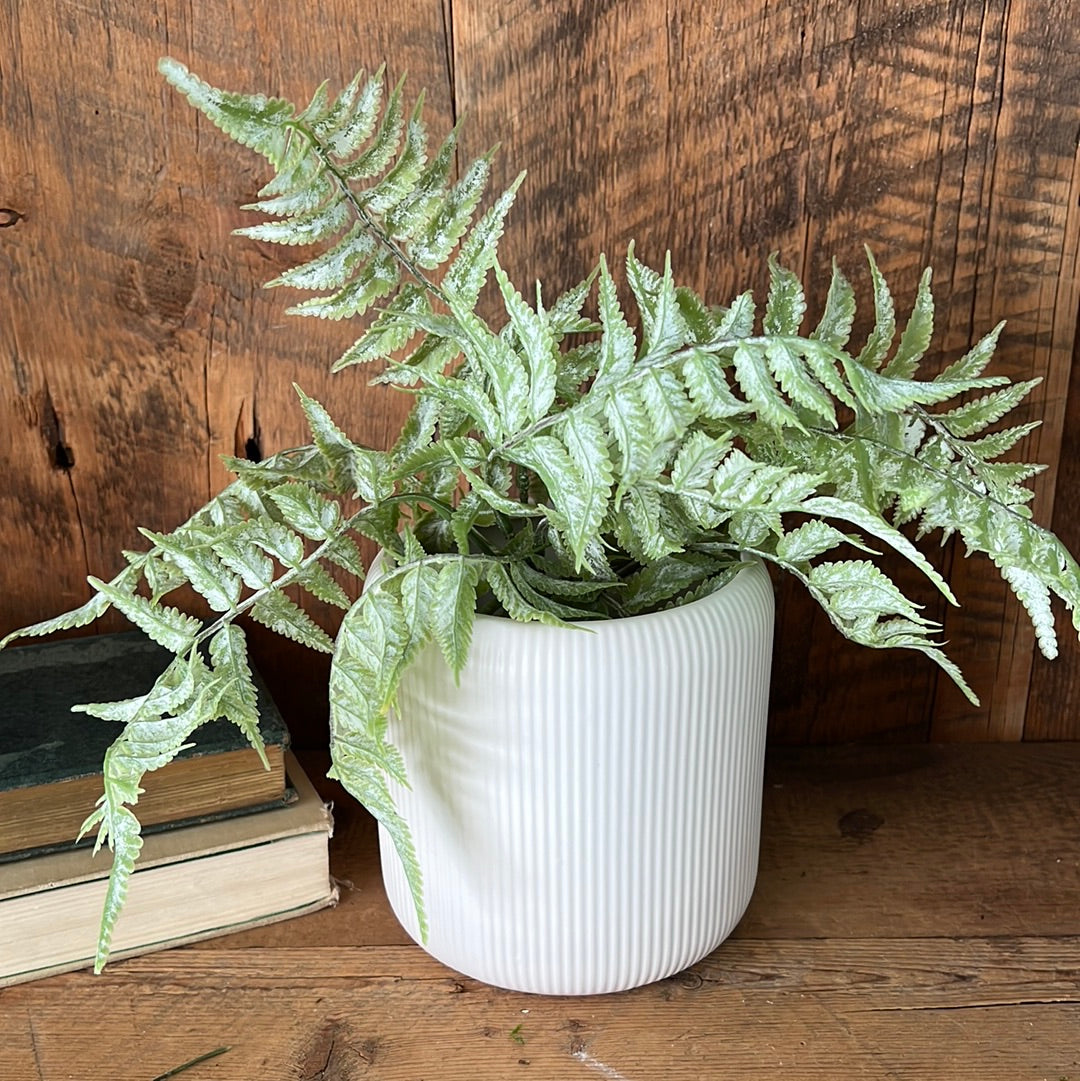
586,805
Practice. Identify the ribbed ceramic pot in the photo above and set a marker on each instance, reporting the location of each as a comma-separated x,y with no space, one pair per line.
586,804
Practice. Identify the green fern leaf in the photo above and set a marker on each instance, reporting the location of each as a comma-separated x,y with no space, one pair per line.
856,589
277,540
278,613
641,525
334,267
356,468
535,342
880,339
1034,595
617,344
670,410
993,446
364,675
343,552
297,168
514,604
587,445
656,584
166,626
472,401
236,697
161,576
757,384
915,339
207,575
834,329
390,330
402,178
171,692
696,316
692,472
862,518
564,316
383,146
85,614
450,220
503,369
466,274
467,514
321,224
316,109
977,415
453,609
879,394
737,321
973,363
302,200
318,582
374,280
821,361
530,585
126,842
577,501
663,326
709,389
351,121
252,120
812,539
496,500
306,511
796,382
421,202
786,305
628,422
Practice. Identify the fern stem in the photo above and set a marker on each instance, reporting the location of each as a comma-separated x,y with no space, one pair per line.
290,577
384,238
941,474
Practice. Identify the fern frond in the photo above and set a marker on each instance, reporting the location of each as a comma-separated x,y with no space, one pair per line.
364,675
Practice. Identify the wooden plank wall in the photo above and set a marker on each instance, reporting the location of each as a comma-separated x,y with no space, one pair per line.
136,344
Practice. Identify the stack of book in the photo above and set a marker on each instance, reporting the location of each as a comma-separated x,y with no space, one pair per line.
227,845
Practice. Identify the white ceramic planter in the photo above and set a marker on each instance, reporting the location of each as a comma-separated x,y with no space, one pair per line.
586,804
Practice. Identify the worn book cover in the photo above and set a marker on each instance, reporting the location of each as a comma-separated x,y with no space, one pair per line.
50,757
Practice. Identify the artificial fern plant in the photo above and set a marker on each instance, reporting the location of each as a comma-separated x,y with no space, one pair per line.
554,467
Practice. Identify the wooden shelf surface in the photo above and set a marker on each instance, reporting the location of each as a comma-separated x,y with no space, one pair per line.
917,918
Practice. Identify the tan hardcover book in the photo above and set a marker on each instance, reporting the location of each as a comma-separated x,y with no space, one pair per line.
191,883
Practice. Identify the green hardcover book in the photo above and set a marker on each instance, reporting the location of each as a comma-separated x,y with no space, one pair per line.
50,757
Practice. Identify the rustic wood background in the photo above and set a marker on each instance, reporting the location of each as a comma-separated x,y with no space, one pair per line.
136,344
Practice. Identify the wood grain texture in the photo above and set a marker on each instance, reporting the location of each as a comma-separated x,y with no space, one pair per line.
932,937
139,344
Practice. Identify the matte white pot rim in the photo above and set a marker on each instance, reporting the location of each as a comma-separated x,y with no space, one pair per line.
642,619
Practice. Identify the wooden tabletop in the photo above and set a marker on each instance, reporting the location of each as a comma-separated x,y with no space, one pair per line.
917,916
